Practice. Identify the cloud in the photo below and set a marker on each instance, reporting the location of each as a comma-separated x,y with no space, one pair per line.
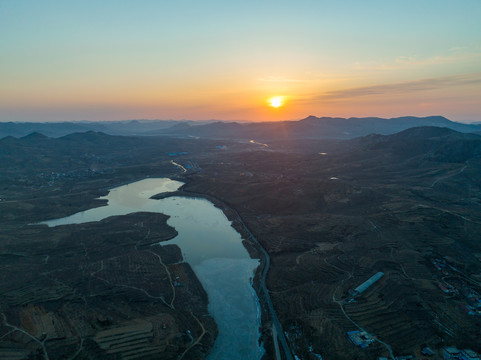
456,55
404,87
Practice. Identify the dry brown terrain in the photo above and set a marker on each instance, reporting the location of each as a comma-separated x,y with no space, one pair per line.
330,215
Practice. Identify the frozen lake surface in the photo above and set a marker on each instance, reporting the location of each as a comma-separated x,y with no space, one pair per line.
211,246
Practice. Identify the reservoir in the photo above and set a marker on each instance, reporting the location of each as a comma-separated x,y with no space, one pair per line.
211,246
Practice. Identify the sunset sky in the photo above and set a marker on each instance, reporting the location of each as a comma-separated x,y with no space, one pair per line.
191,59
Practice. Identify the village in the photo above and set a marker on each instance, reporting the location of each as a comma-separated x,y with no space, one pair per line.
454,285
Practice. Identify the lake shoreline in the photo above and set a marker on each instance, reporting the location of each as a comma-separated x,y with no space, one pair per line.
253,247
202,235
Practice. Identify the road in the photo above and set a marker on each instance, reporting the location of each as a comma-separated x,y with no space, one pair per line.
450,176
178,165
41,343
194,343
275,320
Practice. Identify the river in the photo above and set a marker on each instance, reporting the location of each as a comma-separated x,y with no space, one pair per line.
211,246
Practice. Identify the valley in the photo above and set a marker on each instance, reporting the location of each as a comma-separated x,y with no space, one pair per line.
329,213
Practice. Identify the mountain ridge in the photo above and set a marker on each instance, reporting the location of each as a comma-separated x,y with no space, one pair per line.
428,142
313,127
310,127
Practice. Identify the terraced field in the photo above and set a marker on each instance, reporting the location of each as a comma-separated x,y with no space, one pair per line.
390,309
114,297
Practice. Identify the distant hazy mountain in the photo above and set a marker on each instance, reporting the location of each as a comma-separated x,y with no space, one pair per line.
316,128
128,127
414,145
309,128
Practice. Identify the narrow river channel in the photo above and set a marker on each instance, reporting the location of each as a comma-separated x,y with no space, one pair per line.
211,246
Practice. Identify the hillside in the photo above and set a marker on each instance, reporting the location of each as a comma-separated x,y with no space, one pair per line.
58,129
431,143
309,128
330,214
315,128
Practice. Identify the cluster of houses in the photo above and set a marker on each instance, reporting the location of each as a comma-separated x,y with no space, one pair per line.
473,301
176,282
453,353
448,353
472,298
472,307
73,174
363,340
360,338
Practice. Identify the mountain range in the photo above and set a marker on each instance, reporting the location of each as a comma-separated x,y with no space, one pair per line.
314,128
311,127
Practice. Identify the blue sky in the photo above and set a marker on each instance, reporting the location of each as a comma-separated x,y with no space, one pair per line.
110,60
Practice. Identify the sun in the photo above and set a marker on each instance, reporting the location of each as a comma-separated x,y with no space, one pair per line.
276,101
